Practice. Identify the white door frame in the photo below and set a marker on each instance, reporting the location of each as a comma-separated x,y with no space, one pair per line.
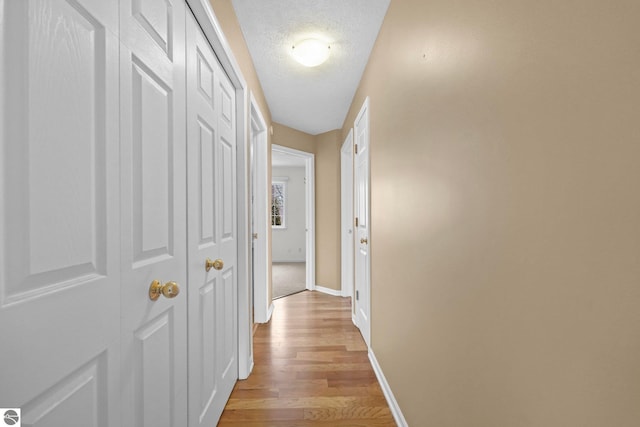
310,210
260,214
363,231
203,12
346,210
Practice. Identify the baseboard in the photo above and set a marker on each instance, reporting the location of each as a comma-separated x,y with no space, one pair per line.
329,291
270,312
388,394
249,370
353,319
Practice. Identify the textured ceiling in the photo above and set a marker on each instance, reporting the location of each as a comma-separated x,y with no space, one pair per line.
313,100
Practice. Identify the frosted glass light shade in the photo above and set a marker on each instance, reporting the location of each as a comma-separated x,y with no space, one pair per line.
311,52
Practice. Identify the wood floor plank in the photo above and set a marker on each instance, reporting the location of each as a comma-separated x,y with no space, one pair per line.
311,369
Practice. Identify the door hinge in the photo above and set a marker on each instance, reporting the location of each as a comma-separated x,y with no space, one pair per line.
356,221
357,295
356,148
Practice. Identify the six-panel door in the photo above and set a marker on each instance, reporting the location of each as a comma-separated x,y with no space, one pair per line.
153,182
59,211
93,208
211,160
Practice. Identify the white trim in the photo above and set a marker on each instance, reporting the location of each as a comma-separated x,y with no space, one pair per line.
329,291
261,220
310,210
347,246
354,320
364,114
203,12
270,312
386,389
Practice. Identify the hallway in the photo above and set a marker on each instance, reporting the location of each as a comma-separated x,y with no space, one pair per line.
311,369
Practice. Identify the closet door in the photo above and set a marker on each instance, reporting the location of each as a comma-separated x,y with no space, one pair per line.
211,158
59,204
154,332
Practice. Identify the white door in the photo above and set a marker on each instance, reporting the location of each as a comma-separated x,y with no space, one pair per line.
153,185
59,221
363,268
212,242
346,209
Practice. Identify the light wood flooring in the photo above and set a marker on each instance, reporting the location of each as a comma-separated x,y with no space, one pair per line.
311,369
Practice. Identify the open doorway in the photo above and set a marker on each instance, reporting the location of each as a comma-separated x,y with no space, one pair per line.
292,221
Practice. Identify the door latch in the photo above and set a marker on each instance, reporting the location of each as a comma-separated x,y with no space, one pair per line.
357,295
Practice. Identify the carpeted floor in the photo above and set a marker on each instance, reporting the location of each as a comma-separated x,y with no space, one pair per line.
287,278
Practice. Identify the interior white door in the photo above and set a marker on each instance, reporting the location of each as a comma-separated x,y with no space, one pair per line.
212,243
153,186
362,262
346,212
59,221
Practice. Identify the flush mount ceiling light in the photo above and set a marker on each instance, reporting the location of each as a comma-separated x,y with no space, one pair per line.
310,52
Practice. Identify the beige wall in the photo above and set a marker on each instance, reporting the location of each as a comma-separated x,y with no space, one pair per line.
328,210
292,138
505,141
326,148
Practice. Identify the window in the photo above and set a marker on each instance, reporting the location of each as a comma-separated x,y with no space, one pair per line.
278,204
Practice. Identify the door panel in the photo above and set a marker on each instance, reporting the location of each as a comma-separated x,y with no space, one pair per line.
59,208
213,366
362,262
153,187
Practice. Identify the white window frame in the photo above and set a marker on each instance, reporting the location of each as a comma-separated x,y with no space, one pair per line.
283,182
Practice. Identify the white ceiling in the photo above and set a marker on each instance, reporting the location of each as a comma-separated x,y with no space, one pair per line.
313,100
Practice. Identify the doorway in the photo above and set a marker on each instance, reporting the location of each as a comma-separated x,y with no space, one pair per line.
292,220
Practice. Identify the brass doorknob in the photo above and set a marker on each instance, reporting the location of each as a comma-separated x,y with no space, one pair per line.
169,290
364,241
217,264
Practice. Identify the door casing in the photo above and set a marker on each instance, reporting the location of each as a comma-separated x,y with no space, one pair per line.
260,214
310,210
363,230
347,218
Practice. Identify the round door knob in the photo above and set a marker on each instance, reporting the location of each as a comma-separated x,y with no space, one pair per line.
169,290
217,264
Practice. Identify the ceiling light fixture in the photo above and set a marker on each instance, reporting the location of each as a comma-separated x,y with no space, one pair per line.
311,52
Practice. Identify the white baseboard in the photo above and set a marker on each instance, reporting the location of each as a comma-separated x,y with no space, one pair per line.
353,319
270,312
388,394
249,370
329,291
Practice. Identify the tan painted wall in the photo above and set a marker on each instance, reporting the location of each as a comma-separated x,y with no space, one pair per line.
328,210
292,138
505,141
